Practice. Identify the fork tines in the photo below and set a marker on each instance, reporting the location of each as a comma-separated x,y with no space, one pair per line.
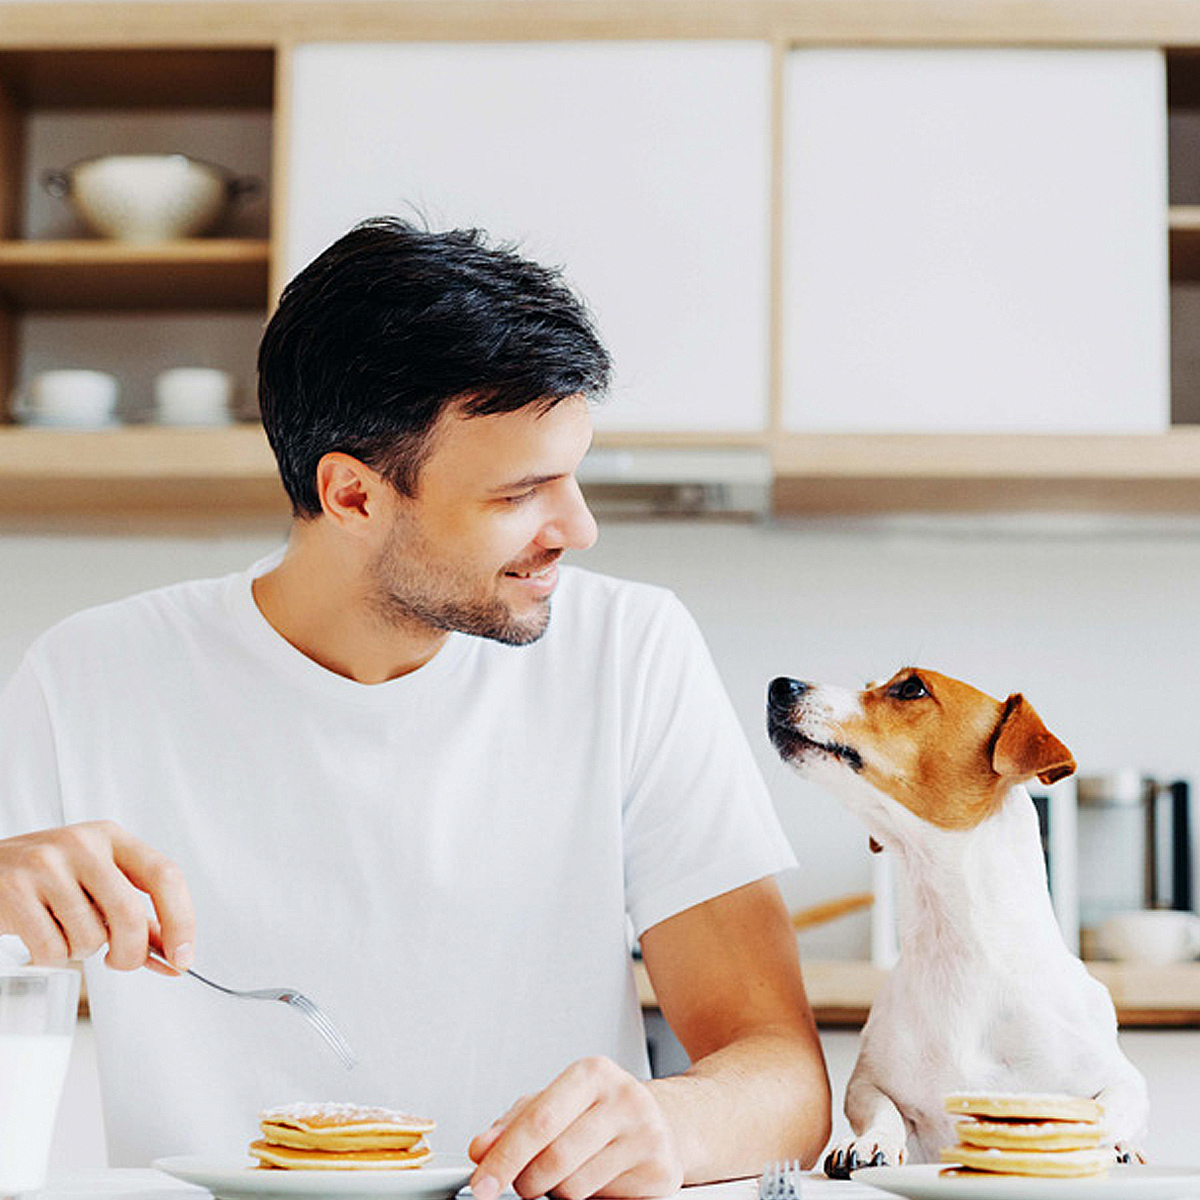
325,1028
780,1180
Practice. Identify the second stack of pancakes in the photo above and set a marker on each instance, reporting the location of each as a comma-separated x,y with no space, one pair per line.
1028,1134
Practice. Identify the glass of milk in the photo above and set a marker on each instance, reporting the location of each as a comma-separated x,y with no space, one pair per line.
37,1021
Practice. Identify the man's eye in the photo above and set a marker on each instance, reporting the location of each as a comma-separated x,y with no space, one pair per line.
908,689
521,497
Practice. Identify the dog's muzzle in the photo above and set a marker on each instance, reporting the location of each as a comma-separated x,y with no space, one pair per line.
783,697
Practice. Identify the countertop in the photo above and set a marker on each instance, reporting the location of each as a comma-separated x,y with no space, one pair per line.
841,991
116,1183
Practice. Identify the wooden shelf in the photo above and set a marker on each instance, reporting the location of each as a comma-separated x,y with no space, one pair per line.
129,77
139,470
144,469
220,273
841,991
860,474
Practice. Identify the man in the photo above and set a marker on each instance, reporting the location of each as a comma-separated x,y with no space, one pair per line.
372,768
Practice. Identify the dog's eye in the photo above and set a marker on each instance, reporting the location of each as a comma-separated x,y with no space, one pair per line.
910,688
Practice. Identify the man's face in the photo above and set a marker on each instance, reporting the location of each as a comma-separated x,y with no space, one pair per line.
496,505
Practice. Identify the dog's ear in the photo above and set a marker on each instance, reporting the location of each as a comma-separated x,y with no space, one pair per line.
1024,747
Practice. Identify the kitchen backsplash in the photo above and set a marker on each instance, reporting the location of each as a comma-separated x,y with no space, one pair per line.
1098,626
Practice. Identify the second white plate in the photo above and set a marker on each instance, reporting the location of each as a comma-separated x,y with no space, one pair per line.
1131,1182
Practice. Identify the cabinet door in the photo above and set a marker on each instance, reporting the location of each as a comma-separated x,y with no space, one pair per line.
975,240
641,168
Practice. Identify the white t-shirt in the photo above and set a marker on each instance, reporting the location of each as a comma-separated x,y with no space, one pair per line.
448,863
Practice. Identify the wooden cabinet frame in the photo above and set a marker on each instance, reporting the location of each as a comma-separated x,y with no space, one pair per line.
239,50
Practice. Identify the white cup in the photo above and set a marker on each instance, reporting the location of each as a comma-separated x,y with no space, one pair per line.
69,398
193,396
1151,936
37,1022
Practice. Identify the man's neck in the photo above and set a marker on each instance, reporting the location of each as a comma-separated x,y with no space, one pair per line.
319,601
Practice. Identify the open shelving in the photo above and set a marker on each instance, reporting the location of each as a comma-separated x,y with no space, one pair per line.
233,58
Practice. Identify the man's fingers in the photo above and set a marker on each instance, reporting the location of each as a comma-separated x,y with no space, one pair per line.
156,946
41,933
635,1182
66,891
481,1143
124,913
543,1119
599,1174
163,882
568,1155
72,910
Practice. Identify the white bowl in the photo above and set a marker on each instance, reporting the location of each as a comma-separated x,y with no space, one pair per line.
68,399
148,197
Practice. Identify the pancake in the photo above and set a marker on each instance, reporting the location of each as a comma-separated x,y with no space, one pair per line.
1030,1135
292,1158
1031,1106
1057,1164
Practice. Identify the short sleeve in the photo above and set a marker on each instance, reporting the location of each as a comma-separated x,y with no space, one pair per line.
30,797
698,819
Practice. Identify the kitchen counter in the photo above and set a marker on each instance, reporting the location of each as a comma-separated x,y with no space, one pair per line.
841,991
136,1183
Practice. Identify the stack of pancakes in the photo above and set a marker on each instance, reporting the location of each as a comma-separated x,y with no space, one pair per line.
1014,1134
341,1137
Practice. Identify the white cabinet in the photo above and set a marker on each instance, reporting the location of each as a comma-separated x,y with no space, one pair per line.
642,168
975,240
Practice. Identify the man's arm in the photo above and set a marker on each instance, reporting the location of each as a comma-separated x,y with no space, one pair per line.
728,980
727,977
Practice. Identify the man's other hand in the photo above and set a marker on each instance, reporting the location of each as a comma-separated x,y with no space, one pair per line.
66,892
595,1129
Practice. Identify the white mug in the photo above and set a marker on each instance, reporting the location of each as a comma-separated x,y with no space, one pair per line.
69,398
1151,936
193,396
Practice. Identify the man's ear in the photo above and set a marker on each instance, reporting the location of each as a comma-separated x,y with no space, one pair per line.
347,488
1024,747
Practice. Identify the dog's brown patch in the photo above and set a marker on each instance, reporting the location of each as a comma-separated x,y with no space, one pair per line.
947,751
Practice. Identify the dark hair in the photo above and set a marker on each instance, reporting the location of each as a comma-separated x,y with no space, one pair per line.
380,332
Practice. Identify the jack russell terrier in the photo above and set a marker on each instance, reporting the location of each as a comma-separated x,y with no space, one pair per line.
985,995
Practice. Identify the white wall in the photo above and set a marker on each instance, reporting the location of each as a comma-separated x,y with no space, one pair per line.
1099,627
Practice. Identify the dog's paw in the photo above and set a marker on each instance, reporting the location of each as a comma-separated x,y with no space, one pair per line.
1127,1153
866,1151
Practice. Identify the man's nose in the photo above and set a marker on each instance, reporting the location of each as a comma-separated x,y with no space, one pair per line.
784,692
573,527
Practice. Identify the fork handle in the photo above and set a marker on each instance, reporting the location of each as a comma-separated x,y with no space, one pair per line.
158,958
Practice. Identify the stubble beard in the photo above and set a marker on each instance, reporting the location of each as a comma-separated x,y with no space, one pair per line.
408,588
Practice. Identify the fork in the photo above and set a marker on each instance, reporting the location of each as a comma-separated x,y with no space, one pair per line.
780,1181
319,1021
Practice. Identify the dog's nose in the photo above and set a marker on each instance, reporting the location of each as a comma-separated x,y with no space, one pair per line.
784,692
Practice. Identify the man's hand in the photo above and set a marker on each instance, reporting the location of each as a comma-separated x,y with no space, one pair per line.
66,892
595,1129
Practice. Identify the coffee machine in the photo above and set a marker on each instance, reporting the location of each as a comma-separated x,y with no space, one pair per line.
1115,842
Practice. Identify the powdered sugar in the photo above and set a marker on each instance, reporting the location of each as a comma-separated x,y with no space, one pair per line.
342,1112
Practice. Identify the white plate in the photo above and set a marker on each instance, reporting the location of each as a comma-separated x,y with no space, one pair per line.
231,1179
1125,1182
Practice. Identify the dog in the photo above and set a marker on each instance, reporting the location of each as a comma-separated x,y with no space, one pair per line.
985,996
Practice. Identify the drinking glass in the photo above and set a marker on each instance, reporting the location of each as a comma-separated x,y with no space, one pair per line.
37,1022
